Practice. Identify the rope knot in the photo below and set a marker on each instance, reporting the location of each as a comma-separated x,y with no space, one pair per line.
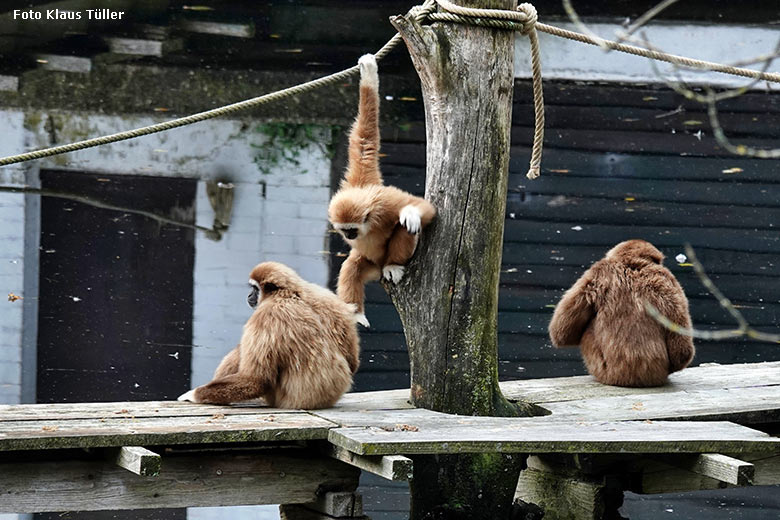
530,17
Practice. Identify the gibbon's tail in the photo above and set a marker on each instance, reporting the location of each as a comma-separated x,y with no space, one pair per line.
364,139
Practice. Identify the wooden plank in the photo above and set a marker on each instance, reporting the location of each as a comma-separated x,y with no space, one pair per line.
64,63
222,479
233,30
751,405
9,83
302,512
390,467
138,460
142,47
129,409
378,400
716,466
562,496
338,504
82,433
703,377
605,210
489,434
656,190
661,475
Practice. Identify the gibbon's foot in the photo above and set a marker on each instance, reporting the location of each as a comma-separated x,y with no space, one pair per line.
393,272
188,396
410,218
368,71
361,318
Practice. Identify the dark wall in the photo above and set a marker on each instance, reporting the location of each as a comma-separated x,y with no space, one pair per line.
619,163
115,307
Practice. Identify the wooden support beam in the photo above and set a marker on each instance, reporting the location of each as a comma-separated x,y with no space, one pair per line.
138,460
301,512
339,504
234,30
719,467
567,496
64,63
144,47
189,480
667,475
391,467
9,83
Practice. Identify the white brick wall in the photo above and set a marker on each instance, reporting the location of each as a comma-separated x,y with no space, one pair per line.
288,225
11,261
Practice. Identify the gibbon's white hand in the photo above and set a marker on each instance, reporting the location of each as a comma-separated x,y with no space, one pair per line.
410,218
188,396
361,318
393,272
368,71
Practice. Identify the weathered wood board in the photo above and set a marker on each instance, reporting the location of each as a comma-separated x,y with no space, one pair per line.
191,480
475,435
753,405
125,431
706,377
129,410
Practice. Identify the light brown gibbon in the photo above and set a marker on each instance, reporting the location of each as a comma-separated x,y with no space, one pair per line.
380,223
604,314
299,348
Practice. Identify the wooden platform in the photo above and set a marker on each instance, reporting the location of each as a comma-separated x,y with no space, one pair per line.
705,410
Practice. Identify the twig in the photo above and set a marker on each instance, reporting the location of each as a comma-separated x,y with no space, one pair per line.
743,329
710,98
212,234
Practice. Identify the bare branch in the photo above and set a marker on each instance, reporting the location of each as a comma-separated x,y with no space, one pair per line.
744,328
212,234
711,98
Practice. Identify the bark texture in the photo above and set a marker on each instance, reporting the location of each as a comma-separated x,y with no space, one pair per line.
448,301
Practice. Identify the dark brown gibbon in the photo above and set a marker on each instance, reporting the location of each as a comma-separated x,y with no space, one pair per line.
299,348
604,314
380,223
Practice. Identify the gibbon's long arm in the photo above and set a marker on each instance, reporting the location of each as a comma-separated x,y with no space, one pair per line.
355,272
679,348
229,364
364,140
573,313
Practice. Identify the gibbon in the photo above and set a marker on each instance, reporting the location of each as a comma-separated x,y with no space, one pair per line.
299,348
380,223
604,314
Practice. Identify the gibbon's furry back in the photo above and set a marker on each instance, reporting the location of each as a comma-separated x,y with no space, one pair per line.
380,223
604,314
299,348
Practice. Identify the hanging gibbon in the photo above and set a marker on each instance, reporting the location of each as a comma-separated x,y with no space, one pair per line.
380,223
604,314
299,348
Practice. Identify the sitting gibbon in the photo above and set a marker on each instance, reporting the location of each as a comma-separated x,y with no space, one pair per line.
380,223
604,314
299,348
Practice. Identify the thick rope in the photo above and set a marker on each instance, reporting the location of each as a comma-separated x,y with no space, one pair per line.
522,20
419,12
772,77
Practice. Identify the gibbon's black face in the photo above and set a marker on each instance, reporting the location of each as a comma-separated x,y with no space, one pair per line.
350,234
253,297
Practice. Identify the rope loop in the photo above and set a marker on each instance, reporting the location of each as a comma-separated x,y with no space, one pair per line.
523,19
530,17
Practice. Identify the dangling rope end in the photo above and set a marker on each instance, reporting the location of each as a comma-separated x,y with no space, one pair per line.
533,172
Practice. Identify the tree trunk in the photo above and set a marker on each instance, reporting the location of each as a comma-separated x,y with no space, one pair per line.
448,301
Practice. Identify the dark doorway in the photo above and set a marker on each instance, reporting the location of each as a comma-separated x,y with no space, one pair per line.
115,310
